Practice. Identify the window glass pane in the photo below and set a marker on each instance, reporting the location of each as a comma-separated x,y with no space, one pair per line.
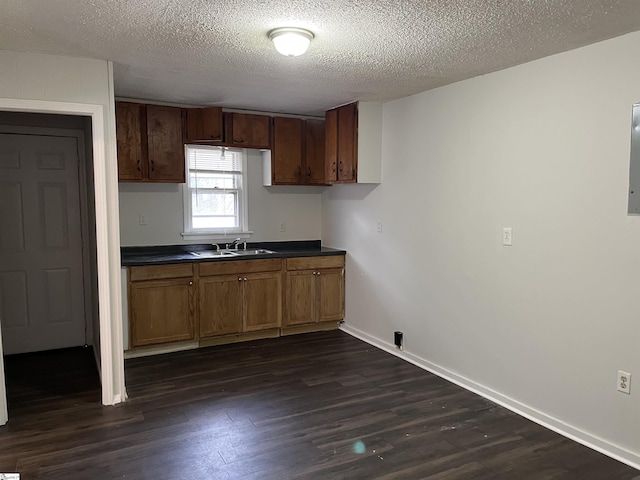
212,203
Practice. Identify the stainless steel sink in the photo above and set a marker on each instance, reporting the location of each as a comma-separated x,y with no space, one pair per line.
254,251
214,253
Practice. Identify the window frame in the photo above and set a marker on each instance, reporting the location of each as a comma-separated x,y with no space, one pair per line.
222,233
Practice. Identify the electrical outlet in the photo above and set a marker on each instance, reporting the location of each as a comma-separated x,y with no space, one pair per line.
379,227
507,238
283,227
142,219
624,382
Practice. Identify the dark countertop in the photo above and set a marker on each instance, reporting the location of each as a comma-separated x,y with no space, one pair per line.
135,256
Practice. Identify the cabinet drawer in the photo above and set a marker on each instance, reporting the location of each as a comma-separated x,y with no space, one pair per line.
308,263
240,266
158,272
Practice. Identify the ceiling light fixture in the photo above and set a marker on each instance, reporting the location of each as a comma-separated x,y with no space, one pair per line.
291,41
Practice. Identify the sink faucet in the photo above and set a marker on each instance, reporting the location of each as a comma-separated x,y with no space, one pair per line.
217,246
237,242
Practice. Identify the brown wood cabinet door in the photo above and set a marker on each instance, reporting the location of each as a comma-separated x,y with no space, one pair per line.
300,297
204,125
262,301
330,288
347,142
220,305
314,149
161,311
250,131
166,150
131,161
331,146
286,166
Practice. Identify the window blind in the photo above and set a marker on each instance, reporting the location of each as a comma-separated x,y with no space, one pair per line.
215,160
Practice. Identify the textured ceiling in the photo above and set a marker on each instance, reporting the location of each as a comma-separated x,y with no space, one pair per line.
216,52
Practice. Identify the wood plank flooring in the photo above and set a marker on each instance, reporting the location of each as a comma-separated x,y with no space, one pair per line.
313,406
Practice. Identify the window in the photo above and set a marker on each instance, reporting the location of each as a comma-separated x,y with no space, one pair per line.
215,193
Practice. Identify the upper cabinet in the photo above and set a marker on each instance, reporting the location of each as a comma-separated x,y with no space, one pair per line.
353,143
166,147
286,155
297,154
314,152
130,119
204,125
150,145
249,130
344,148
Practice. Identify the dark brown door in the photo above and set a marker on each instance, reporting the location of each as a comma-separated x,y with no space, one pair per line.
166,150
251,131
204,125
131,162
287,151
314,158
347,142
331,145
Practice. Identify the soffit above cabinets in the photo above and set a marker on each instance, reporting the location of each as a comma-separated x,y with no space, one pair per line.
218,53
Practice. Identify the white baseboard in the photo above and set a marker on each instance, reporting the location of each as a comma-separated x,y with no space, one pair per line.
598,444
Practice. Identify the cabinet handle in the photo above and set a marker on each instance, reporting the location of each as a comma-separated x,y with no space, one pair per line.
333,167
309,171
353,173
299,172
238,141
153,166
139,169
341,166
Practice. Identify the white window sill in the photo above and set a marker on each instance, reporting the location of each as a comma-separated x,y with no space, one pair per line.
216,235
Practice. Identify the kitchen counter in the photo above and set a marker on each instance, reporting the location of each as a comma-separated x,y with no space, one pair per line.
158,255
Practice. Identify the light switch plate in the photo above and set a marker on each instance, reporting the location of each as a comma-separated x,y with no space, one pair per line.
507,238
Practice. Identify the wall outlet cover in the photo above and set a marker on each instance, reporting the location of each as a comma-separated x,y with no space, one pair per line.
624,382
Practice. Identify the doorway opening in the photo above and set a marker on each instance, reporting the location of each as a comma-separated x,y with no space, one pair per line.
48,267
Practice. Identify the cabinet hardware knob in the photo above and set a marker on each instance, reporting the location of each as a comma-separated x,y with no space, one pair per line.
190,283
245,279
341,166
153,166
309,172
139,165
240,279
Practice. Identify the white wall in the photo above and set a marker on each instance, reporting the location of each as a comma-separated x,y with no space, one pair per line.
58,84
544,325
162,204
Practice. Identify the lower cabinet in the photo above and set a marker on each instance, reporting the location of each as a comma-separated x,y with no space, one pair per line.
314,290
242,299
161,304
239,296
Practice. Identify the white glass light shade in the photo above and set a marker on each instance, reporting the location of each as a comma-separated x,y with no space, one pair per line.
290,41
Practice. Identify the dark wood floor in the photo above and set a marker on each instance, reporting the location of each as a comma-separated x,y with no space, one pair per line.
323,406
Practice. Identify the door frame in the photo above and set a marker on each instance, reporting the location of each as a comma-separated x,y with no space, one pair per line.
107,241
